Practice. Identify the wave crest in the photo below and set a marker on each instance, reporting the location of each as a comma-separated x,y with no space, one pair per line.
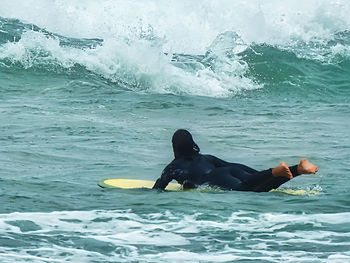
134,64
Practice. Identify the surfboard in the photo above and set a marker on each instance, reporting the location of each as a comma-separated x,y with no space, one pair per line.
134,184
147,184
296,192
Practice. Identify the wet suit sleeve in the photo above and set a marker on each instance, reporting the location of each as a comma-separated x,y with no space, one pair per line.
164,179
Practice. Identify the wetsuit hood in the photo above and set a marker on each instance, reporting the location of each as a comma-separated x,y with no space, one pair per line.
183,144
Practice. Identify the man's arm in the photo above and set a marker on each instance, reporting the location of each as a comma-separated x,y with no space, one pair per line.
164,179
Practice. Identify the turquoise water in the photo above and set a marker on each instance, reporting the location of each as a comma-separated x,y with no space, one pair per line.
91,91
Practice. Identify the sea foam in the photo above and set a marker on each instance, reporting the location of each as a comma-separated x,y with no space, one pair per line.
140,39
122,235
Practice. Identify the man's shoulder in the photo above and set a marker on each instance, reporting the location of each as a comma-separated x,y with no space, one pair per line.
208,156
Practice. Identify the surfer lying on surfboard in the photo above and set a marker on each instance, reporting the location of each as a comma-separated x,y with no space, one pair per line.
191,168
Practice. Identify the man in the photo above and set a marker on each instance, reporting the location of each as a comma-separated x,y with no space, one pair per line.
190,168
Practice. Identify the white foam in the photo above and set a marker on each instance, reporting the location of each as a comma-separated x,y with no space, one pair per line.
137,35
187,26
128,233
140,66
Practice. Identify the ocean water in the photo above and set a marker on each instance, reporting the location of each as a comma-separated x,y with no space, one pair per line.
95,89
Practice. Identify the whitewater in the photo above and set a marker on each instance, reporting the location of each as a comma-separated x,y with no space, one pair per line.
93,90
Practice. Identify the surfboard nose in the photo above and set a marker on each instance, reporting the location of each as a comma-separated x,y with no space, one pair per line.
134,184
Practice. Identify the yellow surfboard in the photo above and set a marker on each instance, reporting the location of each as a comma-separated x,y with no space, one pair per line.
134,184
296,192
137,184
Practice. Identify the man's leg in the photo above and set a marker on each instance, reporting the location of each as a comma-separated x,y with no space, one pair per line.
282,174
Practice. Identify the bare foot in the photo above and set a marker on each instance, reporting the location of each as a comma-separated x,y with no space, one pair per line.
282,170
305,167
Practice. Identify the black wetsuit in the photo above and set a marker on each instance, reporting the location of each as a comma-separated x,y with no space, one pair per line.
200,169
